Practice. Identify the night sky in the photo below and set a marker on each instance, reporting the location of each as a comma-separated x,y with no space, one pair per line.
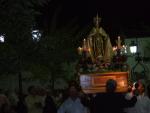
125,17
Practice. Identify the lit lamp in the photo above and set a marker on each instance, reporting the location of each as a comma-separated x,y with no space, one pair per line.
133,47
134,50
80,50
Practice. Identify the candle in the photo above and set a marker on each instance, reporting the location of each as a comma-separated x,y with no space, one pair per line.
114,48
124,48
80,50
84,44
119,42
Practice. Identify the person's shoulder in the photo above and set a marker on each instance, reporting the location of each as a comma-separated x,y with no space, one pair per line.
67,101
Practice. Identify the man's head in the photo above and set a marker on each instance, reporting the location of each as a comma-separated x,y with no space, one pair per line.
32,90
73,92
111,85
141,88
73,89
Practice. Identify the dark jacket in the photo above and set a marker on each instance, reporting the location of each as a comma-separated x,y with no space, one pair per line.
50,106
111,103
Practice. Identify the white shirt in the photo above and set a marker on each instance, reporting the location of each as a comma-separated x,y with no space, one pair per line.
32,104
72,106
143,104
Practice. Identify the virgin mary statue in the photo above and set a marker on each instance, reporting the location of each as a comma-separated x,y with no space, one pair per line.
99,42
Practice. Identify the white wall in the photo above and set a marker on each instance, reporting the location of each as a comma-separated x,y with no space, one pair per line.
144,52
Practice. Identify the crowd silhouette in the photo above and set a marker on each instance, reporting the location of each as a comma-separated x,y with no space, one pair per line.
74,100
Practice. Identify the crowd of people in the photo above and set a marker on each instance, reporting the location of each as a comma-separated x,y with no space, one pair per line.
73,100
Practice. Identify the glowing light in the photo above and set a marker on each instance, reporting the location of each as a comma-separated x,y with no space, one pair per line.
2,38
36,35
80,49
114,48
133,49
122,83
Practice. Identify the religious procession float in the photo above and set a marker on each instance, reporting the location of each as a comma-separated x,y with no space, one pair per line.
99,61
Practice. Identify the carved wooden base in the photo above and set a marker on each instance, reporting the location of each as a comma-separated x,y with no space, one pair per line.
96,82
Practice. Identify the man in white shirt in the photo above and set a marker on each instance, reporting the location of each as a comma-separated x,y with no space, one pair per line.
143,102
73,103
33,101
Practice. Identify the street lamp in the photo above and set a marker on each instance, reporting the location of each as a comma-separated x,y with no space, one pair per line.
2,38
133,47
36,35
139,62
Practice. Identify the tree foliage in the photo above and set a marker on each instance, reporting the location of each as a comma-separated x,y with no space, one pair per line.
16,22
47,57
